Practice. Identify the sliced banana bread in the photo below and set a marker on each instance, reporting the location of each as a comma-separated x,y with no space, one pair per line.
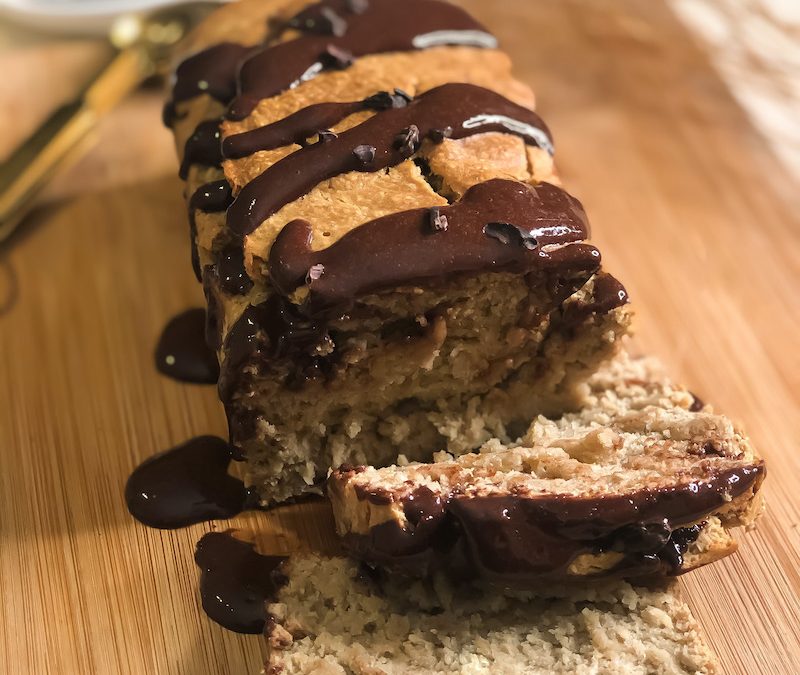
640,481
333,618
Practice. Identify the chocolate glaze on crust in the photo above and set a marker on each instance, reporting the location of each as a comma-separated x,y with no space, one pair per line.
296,128
212,197
211,71
381,26
182,352
382,141
403,248
517,540
608,294
306,122
385,26
204,147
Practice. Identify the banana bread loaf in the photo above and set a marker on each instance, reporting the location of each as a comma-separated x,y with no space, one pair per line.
638,482
382,242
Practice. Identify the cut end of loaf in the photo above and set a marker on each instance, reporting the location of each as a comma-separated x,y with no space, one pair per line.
333,616
635,483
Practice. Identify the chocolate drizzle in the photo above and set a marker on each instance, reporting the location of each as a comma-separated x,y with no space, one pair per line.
236,581
514,539
296,128
467,108
211,71
608,294
182,353
385,26
212,197
202,147
403,248
186,485
267,332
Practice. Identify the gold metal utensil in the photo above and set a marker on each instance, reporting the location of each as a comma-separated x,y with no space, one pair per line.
143,48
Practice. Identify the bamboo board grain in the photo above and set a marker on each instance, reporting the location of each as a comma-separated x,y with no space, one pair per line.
689,207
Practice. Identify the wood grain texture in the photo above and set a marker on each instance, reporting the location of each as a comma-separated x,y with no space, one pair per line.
689,208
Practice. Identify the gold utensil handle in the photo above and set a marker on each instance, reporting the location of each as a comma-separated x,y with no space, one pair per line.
59,139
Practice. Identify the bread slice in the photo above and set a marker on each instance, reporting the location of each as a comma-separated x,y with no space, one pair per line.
642,480
331,618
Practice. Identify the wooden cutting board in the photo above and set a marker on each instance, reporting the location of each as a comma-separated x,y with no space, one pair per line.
690,208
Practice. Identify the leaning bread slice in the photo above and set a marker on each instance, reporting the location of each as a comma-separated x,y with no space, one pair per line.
642,480
332,619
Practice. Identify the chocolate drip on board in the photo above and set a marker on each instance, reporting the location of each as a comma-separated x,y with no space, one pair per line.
236,581
187,484
374,27
517,540
405,248
182,352
385,26
379,143
212,197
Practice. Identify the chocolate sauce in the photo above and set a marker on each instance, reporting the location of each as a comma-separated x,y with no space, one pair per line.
212,197
467,108
214,313
303,124
236,581
272,330
295,128
202,147
233,278
385,26
697,403
608,294
403,248
673,551
211,71
182,353
515,539
186,485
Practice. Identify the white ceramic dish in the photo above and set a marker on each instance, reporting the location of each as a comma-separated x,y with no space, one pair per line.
73,16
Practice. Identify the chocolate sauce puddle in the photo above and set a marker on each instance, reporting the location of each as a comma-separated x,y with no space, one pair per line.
385,26
187,484
236,581
182,352
384,140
